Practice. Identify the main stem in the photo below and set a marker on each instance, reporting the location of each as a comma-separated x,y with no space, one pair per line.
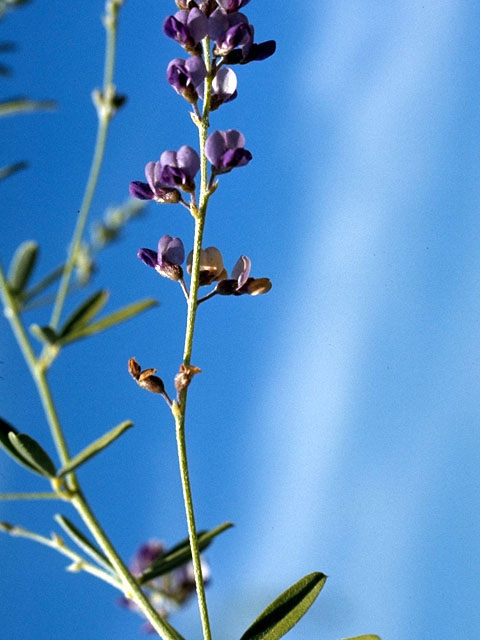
200,216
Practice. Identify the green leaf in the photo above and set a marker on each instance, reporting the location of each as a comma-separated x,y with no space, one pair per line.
82,541
95,447
33,454
9,170
111,320
45,282
24,105
84,313
22,266
5,429
284,612
367,637
46,334
180,554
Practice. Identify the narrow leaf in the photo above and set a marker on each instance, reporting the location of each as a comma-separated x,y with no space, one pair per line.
5,429
24,105
45,282
180,554
22,265
367,637
45,334
95,447
84,313
284,612
9,170
111,320
82,541
32,453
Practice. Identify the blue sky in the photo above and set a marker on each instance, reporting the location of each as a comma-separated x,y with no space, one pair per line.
335,421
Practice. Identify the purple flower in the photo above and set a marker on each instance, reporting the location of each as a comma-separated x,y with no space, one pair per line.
224,88
241,282
225,150
168,592
234,38
146,554
178,168
236,32
187,76
154,188
232,5
187,27
167,260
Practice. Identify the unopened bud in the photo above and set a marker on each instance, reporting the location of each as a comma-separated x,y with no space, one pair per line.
147,379
184,376
134,368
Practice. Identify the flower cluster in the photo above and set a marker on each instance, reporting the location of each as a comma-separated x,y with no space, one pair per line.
170,256
167,592
230,36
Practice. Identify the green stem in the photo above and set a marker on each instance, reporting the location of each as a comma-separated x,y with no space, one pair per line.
180,410
132,589
30,496
105,111
56,543
38,374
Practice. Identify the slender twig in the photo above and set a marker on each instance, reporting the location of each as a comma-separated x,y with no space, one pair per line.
31,496
131,587
184,288
212,293
79,563
179,410
105,111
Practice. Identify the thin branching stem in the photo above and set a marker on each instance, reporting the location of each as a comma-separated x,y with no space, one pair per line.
105,111
79,563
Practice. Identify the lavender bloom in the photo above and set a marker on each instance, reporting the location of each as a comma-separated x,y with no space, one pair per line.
187,27
178,168
154,188
167,260
232,5
187,76
168,592
241,282
231,31
224,88
233,37
225,150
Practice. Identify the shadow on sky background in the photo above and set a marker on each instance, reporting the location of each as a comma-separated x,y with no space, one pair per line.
335,421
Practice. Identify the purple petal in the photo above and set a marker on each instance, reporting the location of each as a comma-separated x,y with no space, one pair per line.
168,158
163,244
234,139
225,82
140,190
235,158
215,147
149,174
196,69
232,5
175,253
260,51
148,257
241,270
217,25
188,160
197,24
